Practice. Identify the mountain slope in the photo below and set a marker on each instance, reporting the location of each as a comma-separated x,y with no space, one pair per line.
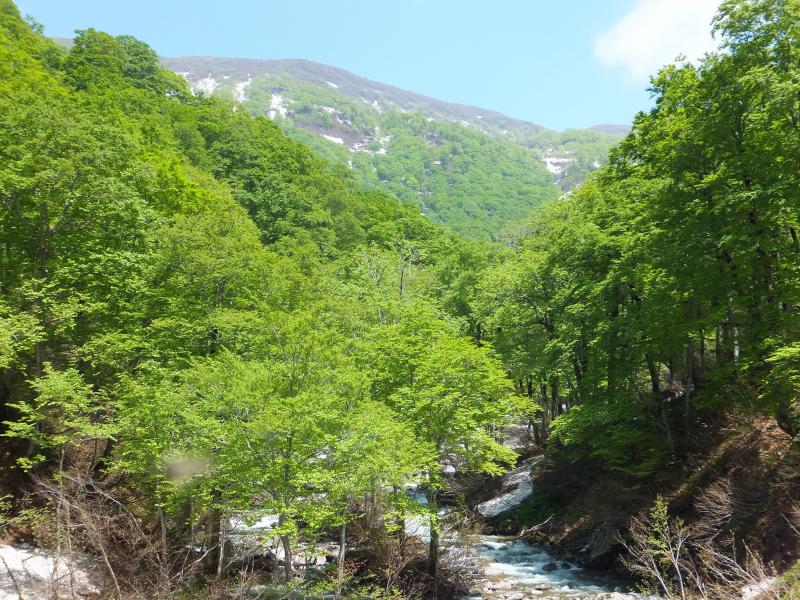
472,170
210,73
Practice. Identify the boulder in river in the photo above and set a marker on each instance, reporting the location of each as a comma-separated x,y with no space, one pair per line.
617,596
548,567
494,570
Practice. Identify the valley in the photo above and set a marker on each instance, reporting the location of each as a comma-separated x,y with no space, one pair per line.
273,331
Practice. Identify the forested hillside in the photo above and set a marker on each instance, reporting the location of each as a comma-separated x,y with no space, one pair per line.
665,289
654,316
202,319
231,367
472,170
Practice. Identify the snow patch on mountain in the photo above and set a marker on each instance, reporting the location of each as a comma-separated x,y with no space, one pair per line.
239,88
335,140
557,164
277,107
207,85
384,142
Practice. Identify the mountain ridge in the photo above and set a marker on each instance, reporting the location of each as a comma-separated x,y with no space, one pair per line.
311,71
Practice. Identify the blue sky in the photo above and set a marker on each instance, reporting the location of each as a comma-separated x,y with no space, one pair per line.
559,63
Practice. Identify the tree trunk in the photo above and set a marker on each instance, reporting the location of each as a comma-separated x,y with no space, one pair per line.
655,379
545,415
212,533
287,558
401,538
433,546
287,552
222,534
556,397
164,549
702,354
688,390
433,555
340,560
655,388
99,466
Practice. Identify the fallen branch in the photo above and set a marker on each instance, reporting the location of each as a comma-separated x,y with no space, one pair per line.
531,530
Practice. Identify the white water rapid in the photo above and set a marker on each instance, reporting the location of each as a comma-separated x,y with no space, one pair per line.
513,569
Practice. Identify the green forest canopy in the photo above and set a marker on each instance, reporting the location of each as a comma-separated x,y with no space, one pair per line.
471,180
180,279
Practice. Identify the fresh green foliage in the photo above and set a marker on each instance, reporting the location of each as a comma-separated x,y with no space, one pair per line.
231,324
461,177
672,274
782,386
64,411
190,297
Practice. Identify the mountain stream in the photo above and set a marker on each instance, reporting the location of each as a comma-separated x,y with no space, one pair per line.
509,568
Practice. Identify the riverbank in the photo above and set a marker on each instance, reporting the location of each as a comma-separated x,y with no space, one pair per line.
739,490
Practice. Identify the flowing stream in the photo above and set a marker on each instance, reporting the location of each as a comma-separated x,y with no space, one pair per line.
514,569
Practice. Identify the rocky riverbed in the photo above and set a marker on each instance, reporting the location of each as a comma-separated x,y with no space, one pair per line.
512,569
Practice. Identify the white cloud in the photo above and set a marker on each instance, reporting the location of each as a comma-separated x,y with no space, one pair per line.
653,33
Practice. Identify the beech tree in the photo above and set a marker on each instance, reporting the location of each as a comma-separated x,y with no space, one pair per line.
452,394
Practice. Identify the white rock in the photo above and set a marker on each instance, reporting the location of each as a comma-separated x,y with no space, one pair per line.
493,570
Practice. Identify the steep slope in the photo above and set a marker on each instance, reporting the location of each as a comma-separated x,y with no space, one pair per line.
472,170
